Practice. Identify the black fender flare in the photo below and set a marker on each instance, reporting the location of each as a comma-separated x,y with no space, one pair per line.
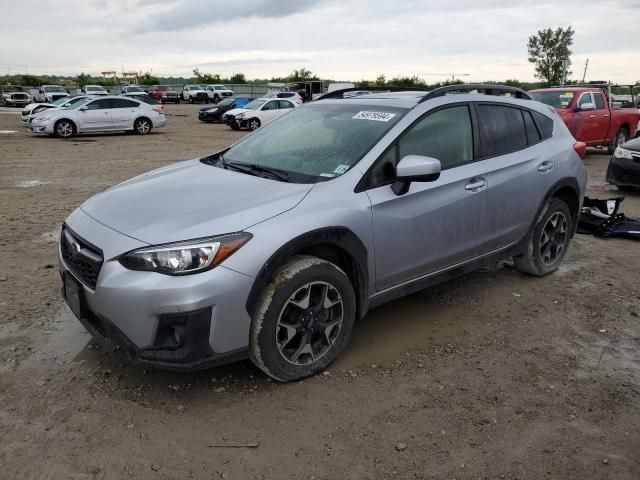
340,238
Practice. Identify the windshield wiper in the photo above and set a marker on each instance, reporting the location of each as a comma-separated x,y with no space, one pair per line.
255,169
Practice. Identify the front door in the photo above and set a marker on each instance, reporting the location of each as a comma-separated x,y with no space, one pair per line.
269,111
436,224
97,116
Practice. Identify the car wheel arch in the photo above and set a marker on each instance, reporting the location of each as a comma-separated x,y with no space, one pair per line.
64,119
337,245
566,189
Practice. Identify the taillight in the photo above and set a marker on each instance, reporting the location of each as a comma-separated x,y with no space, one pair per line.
580,148
160,110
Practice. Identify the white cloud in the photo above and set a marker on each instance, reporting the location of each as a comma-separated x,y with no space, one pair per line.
342,40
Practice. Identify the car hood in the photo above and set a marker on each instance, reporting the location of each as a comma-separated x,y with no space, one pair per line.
237,111
633,144
191,200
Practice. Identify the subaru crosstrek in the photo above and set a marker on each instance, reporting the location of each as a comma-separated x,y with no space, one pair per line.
273,247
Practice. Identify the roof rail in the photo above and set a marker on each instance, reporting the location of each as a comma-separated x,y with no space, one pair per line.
340,93
487,89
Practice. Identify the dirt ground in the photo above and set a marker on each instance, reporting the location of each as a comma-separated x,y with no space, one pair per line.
495,375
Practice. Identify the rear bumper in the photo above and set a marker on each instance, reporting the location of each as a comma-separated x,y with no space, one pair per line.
624,172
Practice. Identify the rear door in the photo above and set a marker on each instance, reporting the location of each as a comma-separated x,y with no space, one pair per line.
123,113
435,224
520,168
602,118
97,116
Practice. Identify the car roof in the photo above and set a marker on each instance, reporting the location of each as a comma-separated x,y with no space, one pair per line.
408,99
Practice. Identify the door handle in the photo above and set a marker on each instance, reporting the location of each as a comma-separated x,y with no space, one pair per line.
475,184
606,116
545,166
592,116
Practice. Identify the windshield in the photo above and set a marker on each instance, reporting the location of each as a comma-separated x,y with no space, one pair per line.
60,101
219,87
134,89
8,89
226,102
74,101
555,99
55,89
317,140
255,104
162,89
74,106
95,89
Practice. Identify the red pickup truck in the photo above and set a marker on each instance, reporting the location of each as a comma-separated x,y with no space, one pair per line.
588,113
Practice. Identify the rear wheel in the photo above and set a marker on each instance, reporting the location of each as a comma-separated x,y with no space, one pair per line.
142,126
253,124
621,137
64,129
216,98
304,319
548,240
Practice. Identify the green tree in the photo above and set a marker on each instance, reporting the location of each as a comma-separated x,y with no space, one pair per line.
147,79
205,77
407,82
302,75
237,78
381,80
83,79
31,81
550,52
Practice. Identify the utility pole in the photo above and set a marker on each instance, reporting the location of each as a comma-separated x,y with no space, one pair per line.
584,75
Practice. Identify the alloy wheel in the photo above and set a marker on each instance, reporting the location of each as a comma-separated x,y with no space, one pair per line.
309,323
254,125
553,238
143,127
64,129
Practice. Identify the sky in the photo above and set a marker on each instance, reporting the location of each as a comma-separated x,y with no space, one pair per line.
473,40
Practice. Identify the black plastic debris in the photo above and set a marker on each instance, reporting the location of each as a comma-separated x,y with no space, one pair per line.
602,219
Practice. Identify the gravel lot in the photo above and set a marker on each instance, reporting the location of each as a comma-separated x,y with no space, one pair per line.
494,375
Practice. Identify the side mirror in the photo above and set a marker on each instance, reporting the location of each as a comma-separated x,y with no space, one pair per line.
83,108
586,107
415,168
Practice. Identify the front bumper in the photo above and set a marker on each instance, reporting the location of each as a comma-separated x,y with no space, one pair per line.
177,322
40,127
209,117
624,171
17,102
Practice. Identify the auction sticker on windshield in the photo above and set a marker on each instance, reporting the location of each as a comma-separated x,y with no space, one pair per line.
375,116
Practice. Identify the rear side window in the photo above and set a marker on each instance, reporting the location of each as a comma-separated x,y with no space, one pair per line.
284,104
599,101
502,130
124,103
533,135
545,124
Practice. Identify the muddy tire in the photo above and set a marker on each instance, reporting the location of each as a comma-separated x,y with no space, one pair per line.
548,241
621,137
304,319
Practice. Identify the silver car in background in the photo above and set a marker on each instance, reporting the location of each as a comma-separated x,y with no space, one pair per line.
102,114
272,248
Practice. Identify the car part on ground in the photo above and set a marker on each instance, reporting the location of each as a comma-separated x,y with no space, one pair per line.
624,166
603,219
102,114
339,206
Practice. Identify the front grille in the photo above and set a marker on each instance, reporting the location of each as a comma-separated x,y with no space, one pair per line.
202,95
19,96
84,259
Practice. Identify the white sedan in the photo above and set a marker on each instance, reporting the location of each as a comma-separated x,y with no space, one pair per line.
100,115
259,112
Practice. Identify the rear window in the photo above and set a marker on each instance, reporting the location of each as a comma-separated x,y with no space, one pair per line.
555,99
502,130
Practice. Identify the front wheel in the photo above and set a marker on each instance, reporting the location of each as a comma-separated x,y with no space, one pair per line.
64,129
548,240
142,126
253,124
304,319
621,137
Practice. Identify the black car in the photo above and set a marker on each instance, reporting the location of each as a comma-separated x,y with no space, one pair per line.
214,113
624,167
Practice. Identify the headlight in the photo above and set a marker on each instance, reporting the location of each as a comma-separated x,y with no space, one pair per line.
212,110
183,258
622,153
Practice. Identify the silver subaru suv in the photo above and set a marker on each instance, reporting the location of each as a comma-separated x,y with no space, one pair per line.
272,248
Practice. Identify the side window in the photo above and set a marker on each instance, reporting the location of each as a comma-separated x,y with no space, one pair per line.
123,103
385,168
99,104
533,136
545,124
585,98
270,106
599,101
284,104
446,135
501,130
